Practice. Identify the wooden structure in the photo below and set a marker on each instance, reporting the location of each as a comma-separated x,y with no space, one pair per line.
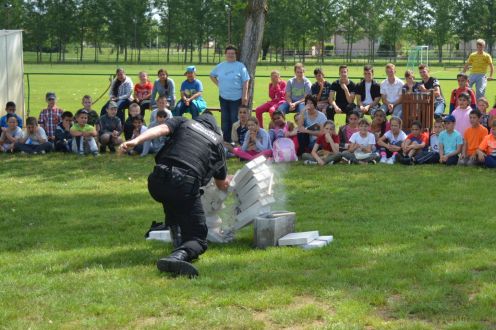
418,106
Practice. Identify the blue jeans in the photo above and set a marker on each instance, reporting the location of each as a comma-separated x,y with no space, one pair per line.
480,81
121,105
397,110
490,161
228,116
181,109
284,108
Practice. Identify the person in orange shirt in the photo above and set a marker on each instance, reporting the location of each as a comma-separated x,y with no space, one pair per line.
487,149
472,138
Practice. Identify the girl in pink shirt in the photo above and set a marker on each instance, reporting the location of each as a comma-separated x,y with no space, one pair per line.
277,93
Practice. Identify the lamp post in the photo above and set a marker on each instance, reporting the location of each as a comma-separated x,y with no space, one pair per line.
229,19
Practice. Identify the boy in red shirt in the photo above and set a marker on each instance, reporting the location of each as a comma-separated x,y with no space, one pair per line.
326,148
143,92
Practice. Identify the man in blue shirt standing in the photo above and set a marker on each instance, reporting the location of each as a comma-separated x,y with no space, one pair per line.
232,78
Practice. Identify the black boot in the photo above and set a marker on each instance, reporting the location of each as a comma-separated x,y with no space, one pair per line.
177,264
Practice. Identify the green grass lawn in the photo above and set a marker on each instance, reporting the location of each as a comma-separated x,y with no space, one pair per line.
71,88
413,249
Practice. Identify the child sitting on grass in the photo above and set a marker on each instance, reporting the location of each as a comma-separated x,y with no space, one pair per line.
416,142
238,130
362,144
10,108
390,143
34,140
472,139
10,135
486,153
379,125
280,128
158,143
93,117
256,143
134,111
83,135
162,104
431,156
346,131
139,128
110,129
63,137
450,142
326,148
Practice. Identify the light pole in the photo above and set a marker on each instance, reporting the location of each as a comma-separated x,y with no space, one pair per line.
229,18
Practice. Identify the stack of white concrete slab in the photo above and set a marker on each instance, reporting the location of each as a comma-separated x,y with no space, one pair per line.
306,240
160,235
252,186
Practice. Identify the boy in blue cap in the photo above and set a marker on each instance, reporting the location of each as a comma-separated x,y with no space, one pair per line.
191,95
450,142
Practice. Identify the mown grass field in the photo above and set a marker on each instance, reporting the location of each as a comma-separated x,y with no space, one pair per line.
413,249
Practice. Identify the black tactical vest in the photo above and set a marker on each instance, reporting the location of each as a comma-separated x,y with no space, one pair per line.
196,147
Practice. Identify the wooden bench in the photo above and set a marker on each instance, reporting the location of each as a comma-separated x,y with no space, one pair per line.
418,106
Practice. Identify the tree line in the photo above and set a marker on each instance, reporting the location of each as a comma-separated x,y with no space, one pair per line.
130,26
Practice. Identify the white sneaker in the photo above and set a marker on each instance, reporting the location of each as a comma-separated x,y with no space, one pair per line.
310,162
383,160
391,160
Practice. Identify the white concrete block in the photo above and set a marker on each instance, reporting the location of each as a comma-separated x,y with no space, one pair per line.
327,239
315,244
299,238
251,197
160,235
240,174
259,177
246,217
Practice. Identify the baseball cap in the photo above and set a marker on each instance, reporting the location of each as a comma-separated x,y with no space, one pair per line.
112,104
449,119
190,68
50,96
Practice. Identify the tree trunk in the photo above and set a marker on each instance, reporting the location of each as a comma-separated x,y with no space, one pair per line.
252,40
440,53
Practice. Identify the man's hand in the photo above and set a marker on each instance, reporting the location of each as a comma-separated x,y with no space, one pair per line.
128,145
223,184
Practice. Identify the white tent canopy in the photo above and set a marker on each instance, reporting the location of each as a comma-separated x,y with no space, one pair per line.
11,70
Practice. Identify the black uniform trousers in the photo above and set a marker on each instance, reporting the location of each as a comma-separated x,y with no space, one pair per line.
179,193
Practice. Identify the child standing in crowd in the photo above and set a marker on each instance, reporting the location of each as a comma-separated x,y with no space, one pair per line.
462,88
134,111
450,142
92,114
256,142
472,138
362,144
143,92
63,137
486,153
83,135
346,131
162,104
415,143
10,108
482,106
326,148
277,94
10,135
50,117
158,143
191,95
390,143
110,129
432,155
462,114
34,140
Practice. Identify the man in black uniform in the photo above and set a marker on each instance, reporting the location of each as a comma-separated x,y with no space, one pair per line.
193,155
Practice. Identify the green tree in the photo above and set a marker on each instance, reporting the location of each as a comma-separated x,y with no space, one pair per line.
443,15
